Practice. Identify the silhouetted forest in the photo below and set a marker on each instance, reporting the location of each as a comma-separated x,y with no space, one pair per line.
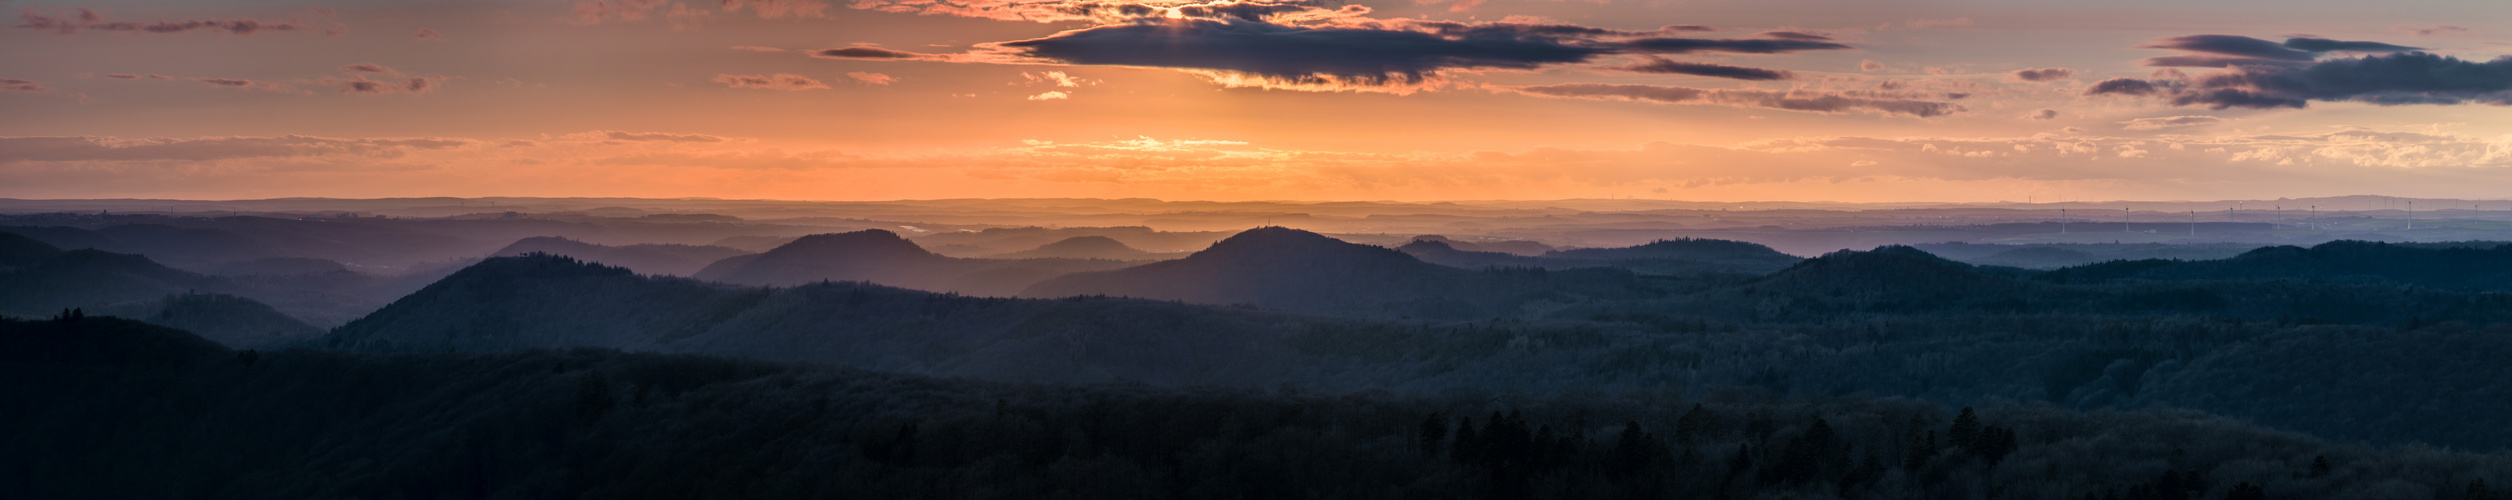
107,408
880,256
573,361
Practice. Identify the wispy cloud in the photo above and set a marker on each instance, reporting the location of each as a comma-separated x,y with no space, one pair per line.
74,20
1792,100
779,81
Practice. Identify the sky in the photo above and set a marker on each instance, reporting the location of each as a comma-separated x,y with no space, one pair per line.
1399,100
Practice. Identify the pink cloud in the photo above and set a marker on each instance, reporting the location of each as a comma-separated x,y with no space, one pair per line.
779,81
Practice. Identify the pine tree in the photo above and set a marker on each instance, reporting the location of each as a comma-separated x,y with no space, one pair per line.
1688,429
1634,449
1966,428
1434,433
2246,491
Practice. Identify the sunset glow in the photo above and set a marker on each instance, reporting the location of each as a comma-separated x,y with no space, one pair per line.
1955,101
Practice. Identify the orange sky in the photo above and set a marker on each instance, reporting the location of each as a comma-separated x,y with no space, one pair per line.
1291,99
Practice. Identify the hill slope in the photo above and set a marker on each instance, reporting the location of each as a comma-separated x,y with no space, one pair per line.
1302,271
1087,247
1664,257
2461,268
882,257
96,403
674,260
543,301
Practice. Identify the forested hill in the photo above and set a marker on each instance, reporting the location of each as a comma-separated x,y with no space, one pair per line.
2448,267
89,278
1885,271
1087,247
1303,271
542,301
674,260
110,409
1665,257
20,251
883,257
230,320
1733,256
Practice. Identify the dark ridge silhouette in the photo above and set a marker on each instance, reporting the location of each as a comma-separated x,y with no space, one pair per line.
1685,248
1529,248
991,241
2079,352
227,319
2036,257
66,238
882,257
545,301
2439,266
1303,271
281,266
135,285
2047,256
20,251
1087,247
1446,253
1893,272
108,408
100,340
88,278
674,260
1664,257
754,243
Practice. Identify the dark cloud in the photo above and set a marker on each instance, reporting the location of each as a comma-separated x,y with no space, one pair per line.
2122,86
1290,53
2042,74
658,137
18,149
1792,100
65,22
779,81
2391,79
1379,53
2231,45
1795,35
241,84
375,79
21,85
2226,51
427,34
396,85
871,53
1658,65
2045,114
2327,45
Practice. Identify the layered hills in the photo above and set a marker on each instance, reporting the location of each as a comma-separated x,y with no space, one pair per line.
1297,270
674,260
879,256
